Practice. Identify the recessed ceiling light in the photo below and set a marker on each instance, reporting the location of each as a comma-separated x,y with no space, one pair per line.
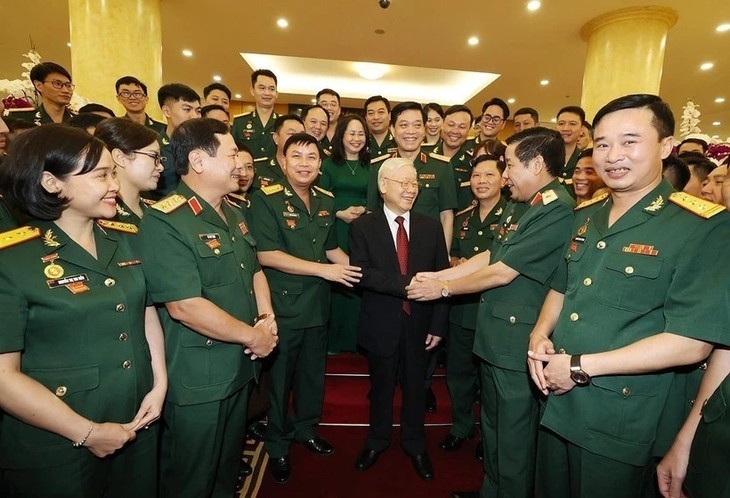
313,101
553,120
544,82
706,66
716,123
723,27
370,70
187,53
282,23
473,41
216,77
715,136
510,101
533,5
238,95
380,31
719,100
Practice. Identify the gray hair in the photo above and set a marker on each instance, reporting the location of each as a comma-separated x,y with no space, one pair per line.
392,165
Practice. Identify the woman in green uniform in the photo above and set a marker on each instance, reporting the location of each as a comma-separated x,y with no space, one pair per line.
82,372
345,174
136,154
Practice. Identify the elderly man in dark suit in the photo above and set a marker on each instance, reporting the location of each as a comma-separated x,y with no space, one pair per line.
391,245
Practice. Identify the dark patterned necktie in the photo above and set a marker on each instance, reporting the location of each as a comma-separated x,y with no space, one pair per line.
401,247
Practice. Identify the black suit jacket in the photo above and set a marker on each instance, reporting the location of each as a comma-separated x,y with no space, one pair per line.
372,248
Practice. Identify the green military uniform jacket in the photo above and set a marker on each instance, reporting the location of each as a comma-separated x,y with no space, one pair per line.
387,147
531,243
567,174
645,274
325,147
472,236
189,251
150,123
39,116
79,324
280,222
126,215
7,218
268,172
248,130
461,164
436,193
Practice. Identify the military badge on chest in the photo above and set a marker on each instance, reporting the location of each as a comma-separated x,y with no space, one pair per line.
579,238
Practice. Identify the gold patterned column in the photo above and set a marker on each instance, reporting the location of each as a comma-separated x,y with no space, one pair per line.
625,54
111,39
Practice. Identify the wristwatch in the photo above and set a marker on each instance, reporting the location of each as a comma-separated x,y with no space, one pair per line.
445,292
577,374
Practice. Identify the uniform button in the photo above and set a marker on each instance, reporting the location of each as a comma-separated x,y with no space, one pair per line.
626,391
629,270
691,402
427,185
481,300
561,351
61,391
209,343
284,292
243,266
703,366
233,239
601,244
512,319
480,232
314,241
109,282
587,282
476,248
120,307
216,251
123,336
574,317
250,292
127,364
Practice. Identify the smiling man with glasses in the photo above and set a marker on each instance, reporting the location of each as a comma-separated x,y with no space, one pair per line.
53,84
494,115
132,95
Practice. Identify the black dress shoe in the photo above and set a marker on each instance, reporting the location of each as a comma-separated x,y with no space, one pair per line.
479,453
257,431
422,465
453,443
319,446
244,470
280,469
367,459
430,401
465,494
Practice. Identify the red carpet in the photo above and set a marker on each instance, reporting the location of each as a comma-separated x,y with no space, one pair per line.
392,476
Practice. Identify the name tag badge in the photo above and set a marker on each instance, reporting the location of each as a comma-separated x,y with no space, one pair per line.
208,236
131,262
427,176
323,214
74,283
287,214
242,226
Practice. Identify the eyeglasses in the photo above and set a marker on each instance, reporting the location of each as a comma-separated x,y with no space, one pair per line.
494,119
125,94
58,84
404,184
154,155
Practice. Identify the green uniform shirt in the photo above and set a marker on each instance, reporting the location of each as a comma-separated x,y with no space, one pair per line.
461,164
349,184
169,177
79,324
248,130
187,255
436,193
325,147
126,215
268,172
39,116
152,124
531,243
472,236
7,219
657,268
281,222
388,146
567,174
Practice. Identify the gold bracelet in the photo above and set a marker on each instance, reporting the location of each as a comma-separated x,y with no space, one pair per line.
83,441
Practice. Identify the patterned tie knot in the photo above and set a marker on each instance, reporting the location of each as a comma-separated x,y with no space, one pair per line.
400,220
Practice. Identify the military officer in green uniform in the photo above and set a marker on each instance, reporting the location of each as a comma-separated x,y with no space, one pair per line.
255,128
377,116
82,354
437,195
531,240
293,223
474,230
269,170
631,304
132,95
53,84
200,264
569,121
329,100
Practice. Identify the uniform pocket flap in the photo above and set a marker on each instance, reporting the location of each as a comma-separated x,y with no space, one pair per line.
633,265
64,382
286,288
515,313
628,386
205,251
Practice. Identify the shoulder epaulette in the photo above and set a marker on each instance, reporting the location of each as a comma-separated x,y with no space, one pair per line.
593,201
439,157
237,196
21,109
272,189
466,210
118,226
147,202
242,114
379,158
169,203
18,236
700,207
325,192
227,199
